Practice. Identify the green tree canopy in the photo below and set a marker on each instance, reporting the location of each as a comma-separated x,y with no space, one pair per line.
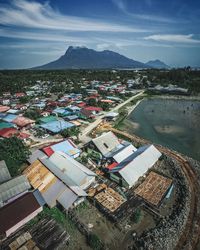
14,152
32,114
74,131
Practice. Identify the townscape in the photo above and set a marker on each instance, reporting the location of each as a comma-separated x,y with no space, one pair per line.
71,179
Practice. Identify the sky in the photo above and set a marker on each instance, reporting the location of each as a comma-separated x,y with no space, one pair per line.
35,32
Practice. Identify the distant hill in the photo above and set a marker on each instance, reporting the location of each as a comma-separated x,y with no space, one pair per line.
157,64
84,58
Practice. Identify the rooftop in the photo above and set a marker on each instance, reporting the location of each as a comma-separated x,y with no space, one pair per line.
22,121
57,126
16,211
12,188
106,143
4,108
66,146
153,188
137,164
4,172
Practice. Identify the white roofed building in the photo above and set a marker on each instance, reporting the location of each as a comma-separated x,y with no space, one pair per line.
130,169
109,145
75,175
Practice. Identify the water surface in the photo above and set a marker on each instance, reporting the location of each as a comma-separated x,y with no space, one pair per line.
171,123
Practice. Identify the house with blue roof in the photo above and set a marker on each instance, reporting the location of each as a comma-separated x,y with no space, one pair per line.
56,126
61,112
9,117
66,146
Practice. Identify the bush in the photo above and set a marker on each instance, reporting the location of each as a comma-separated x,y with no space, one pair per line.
136,216
94,242
70,132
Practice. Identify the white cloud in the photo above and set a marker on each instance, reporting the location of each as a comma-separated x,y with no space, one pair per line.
123,6
22,13
42,36
103,46
175,38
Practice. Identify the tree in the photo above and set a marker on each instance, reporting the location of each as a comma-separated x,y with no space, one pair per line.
95,242
32,114
104,105
74,131
14,152
92,102
136,216
24,99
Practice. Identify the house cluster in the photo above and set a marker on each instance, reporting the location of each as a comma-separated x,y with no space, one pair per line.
57,176
54,177
51,116
130,168
14,124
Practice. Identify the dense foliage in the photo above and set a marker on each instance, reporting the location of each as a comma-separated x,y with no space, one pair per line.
32,114
18,80
14,152
94,242
74,131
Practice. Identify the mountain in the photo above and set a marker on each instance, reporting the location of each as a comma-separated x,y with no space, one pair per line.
157,64
84,58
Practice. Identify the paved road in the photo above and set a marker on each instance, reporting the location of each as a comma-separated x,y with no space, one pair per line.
84,134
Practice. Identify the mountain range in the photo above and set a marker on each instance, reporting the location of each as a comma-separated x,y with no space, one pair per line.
84,58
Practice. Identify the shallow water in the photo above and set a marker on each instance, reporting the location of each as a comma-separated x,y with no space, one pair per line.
171,123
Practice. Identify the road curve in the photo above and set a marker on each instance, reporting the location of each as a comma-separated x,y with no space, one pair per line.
83,136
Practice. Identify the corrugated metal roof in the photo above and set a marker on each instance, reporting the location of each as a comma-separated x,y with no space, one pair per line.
22,121
36,155
48,150
56,126
72,168
39,176
13,187
6,125
39,197
140,164
65,146
106,143
9,118
47,119
124,153
65,178
53,192
4,172
18,210
67,198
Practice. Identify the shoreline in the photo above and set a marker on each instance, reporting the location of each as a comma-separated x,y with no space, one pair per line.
134,107
174,97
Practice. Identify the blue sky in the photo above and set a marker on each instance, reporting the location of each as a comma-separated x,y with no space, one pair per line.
36,32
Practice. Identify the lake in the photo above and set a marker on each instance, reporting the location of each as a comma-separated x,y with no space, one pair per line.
169,122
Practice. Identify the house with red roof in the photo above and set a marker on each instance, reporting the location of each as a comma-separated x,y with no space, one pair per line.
21,122
4,108
95,110
10,132
19,94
